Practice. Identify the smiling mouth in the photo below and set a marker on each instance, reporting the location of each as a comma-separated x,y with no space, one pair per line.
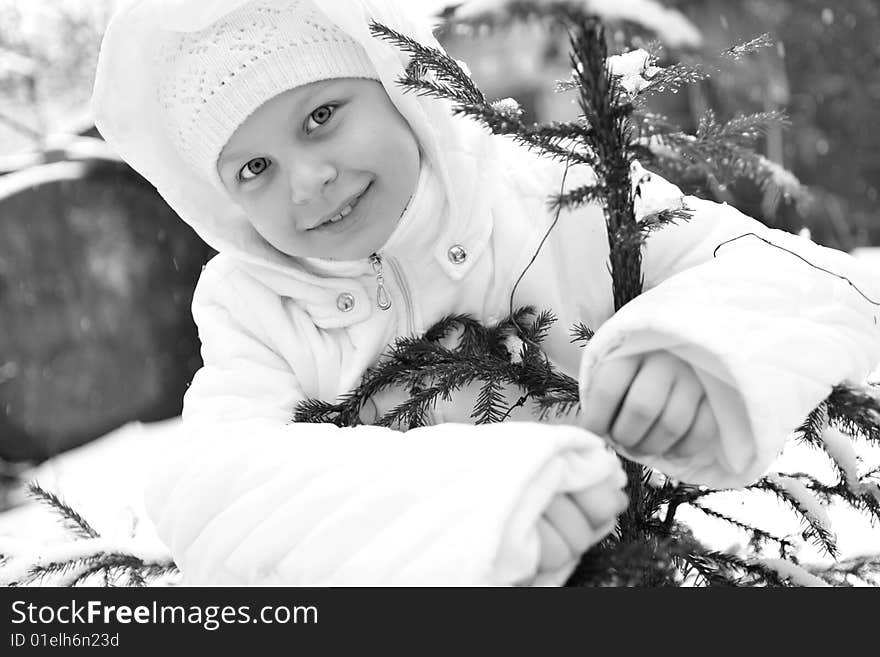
343,212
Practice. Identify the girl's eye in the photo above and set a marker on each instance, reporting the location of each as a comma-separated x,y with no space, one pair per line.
320,116
253,169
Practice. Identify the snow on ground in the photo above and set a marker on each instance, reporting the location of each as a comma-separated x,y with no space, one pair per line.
102,480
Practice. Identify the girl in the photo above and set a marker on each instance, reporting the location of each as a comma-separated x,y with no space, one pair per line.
347,214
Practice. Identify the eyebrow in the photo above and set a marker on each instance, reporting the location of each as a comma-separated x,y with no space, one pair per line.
232,157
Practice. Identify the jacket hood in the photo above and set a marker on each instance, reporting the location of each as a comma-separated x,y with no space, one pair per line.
125,109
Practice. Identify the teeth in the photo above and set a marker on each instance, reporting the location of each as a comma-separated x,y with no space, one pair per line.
342,214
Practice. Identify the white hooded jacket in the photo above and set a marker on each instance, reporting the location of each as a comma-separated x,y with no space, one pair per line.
248,497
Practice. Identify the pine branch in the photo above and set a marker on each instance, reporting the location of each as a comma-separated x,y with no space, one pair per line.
451,323
433,73
865,499
315,410
713,572
77,571
560,404
720,151
70,519
66,573
432,60
686,494
654,221
814,519
577,197
412,363
838,447
721,569
537,332
67,564
792,573
413,412
744,129
673,78
545,141
488,408
755,532
865,568
580,332
647,561
856,411
749,47
430,88
810,432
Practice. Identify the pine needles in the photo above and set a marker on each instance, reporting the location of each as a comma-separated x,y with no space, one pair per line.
505,354
80,560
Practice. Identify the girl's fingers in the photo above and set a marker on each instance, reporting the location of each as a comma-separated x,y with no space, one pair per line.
569,522
554,550
645,399
677,416
702,434
573,522
608,385
600,505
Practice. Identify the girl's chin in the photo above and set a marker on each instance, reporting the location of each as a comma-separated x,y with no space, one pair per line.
356,245
343,253
361,240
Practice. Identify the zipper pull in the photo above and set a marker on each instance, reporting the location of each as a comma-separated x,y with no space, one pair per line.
383,300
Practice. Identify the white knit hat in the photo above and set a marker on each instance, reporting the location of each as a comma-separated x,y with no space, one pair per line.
213,79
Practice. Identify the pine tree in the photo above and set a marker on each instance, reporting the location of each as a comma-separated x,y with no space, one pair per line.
614,132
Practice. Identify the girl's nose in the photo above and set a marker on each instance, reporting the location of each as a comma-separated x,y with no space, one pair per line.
308,180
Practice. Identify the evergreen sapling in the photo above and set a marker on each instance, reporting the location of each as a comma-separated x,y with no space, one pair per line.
614,133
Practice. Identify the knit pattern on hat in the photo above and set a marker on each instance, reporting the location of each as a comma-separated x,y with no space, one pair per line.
215,78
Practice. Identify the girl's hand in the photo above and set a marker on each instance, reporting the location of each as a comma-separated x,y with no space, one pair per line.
650,405
574,522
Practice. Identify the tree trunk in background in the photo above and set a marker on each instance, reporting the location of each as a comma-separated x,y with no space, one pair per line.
96,281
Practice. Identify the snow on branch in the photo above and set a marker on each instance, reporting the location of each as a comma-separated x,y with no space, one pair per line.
798,496
71,563
792,572
858,570
128,562
840,447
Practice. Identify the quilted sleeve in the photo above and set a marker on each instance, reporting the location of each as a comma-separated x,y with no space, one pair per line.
247,497
770,322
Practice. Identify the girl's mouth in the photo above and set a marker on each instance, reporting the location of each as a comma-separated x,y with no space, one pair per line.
344,218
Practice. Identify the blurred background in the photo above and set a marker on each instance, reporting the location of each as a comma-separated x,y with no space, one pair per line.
97,273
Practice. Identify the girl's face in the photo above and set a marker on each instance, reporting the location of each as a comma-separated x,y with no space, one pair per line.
324,170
